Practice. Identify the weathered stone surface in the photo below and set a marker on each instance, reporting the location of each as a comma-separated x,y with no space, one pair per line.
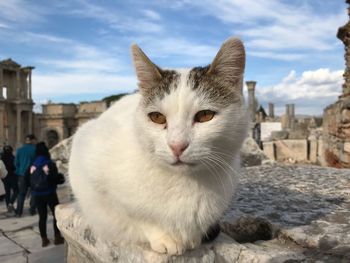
321,152
251,154
14,258
309,204
298,134
279,135
336,131
304,208
292,150
60,154
8,247
313,150
269,150
347,147
267,128
56,254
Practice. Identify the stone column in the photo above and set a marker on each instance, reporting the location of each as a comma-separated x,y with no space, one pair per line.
1,82
291,116
271,111
292,111
30,84
251,99
19,127
286,119
2,133
18,85
30,122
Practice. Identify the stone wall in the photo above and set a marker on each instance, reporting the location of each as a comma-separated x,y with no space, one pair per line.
336,133
295,150
336,117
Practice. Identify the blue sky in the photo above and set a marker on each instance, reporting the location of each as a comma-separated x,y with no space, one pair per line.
81,48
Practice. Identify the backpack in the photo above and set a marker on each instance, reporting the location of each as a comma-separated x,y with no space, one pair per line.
39,178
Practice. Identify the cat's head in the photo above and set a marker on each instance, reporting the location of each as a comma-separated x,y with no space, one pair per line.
192,118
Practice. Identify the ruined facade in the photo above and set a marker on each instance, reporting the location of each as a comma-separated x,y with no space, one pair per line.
336,117
16,104
60,121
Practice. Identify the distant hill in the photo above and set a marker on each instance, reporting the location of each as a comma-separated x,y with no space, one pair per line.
113,98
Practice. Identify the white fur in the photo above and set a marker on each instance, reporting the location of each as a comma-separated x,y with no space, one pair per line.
122,175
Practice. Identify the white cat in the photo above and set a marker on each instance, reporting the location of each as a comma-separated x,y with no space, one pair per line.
160,166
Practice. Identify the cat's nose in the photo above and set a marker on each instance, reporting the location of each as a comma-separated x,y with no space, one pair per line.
178,148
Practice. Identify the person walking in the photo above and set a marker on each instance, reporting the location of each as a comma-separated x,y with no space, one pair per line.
44,177
10,181
24,158
3,175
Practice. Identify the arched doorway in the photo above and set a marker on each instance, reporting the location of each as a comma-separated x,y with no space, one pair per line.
52,138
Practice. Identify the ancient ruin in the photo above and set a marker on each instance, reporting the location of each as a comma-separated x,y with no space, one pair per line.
16,104
59,121
336,117
284,138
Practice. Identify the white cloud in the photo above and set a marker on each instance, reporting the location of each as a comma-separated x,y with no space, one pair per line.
19,11
190,53
286,56
275,25
310,91
75,56
310,85
148,23
52,85
30,36
4,25
151,14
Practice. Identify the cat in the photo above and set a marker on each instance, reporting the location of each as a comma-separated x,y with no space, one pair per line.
160,166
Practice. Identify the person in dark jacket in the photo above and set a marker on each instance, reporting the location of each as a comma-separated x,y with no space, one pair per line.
10,181
24,158
46,196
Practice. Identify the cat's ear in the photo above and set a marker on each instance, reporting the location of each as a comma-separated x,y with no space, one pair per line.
147,72
229,62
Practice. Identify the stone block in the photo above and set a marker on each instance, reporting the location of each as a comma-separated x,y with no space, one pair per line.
285,122
313,150
84,245
295,150
251,154
345,115
27,239
269,150
14,258
8,247
267,128
306,205
52,254
279,135
297,134
347,147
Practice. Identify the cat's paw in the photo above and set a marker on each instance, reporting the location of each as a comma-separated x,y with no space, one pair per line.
167,245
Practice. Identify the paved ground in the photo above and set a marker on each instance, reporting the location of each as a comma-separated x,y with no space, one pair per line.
20,239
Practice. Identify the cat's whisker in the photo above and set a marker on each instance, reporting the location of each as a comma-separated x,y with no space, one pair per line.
218,174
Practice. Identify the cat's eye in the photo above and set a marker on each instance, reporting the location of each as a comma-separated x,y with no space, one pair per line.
204,116
157,117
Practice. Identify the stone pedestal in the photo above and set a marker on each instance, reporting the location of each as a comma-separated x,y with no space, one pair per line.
304,209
